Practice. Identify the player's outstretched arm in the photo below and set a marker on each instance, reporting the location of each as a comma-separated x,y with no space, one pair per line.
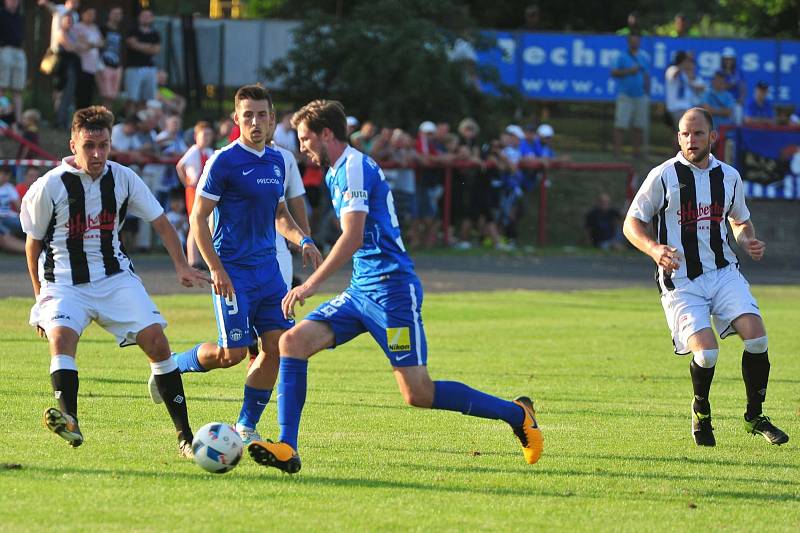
347,244
188,276
745,234
665,256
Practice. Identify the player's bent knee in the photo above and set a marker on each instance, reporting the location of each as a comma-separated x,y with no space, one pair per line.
758,345
292,343
706,358
229,357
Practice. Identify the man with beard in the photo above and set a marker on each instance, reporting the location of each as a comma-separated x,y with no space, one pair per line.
688,198
384,299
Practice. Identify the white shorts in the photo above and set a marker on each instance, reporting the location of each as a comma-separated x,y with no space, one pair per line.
119,304
140,83
285,262
721,294
631,112
13,66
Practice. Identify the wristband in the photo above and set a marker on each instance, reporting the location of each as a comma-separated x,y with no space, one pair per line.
306,240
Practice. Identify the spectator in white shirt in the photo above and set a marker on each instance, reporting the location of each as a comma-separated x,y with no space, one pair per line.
190,168
10,226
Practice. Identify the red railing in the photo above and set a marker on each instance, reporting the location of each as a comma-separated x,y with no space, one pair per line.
449,168
543,167
7,131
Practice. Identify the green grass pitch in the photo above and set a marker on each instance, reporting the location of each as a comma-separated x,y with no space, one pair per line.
613,403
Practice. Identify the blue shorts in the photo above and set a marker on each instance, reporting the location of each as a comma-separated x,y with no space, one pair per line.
255,307
393,316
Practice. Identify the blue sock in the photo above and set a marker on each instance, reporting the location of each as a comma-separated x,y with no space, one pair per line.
291,397
455,396
255,400
188,361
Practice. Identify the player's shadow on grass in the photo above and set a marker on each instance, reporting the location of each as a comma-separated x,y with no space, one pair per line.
533,489
669,460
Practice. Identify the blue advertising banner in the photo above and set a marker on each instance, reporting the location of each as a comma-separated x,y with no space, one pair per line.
577,67
768,161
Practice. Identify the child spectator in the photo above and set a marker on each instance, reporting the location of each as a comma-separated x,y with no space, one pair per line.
30,131
189,169
170,144
177,215
31,175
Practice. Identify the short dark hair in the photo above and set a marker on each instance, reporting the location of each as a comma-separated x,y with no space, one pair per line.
321,114
703,111
90,118
255,91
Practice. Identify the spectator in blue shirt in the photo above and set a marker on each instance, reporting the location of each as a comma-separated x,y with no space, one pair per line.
734,82
631,72
541,146
758,109
719,101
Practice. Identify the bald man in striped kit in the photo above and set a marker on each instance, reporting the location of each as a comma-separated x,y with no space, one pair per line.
688,199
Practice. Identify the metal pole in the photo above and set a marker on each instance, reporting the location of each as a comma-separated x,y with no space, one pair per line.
543,208
448,193
221,80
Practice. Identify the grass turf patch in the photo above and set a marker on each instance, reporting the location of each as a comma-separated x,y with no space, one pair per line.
613,401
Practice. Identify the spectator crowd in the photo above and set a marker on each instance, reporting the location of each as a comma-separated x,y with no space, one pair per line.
102,58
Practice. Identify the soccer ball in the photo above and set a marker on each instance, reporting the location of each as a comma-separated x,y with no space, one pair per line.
217,447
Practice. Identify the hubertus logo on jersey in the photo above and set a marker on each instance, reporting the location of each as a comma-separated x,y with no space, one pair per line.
688,214
78,227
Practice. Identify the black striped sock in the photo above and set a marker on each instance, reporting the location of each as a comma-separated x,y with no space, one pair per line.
755,372
170,386
65,387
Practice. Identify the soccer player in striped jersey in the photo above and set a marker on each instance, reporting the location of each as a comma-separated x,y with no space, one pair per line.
384,299
243,187
688,199
72,217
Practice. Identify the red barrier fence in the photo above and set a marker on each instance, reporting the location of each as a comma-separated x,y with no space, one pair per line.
544,167
541,165
7,131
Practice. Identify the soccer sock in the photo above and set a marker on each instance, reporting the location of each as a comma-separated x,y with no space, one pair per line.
255,400
188,361
455,396
701,383
755,371
170,386
64,377
292,382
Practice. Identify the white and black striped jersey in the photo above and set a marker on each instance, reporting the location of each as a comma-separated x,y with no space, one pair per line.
79,219
688,207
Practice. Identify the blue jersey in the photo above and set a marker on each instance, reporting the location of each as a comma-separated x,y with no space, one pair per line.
358,184
247,186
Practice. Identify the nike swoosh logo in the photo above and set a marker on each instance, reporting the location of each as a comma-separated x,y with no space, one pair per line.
261,403
246,172
401,357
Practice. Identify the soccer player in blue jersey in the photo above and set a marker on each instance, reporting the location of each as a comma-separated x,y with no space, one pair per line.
242,186
384,299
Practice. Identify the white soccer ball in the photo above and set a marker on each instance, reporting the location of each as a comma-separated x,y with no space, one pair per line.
217,447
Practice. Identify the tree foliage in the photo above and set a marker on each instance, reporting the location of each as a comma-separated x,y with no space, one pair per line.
757,18
387,61
766,18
